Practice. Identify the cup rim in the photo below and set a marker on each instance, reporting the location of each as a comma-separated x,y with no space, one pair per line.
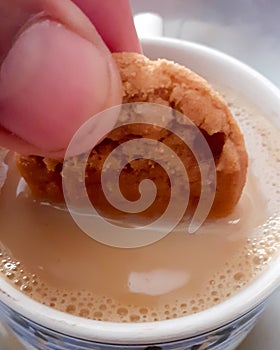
177,328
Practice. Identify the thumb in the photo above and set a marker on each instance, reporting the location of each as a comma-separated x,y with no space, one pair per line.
51,81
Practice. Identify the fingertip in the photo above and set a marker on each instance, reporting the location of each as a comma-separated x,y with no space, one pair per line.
114,23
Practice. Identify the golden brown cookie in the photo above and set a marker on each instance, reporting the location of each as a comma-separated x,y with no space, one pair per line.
167,83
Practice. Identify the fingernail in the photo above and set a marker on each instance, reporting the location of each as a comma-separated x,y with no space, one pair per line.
51,81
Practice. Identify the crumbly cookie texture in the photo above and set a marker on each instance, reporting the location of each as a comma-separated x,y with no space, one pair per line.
167,83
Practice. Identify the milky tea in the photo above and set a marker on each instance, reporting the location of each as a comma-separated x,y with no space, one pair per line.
47,257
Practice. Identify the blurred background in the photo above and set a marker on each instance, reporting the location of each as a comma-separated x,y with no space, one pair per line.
246,29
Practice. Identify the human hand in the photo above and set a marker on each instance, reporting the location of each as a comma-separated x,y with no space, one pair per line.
56,70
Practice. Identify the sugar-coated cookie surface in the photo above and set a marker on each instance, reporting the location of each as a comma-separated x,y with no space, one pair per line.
167,83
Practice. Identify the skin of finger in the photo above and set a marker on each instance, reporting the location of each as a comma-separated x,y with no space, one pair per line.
16,144
27,10
114,21
52,80
15,14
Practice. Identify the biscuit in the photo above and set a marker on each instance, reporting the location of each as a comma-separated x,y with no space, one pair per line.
167,83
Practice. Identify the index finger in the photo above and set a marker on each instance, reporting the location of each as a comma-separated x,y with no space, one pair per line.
114,22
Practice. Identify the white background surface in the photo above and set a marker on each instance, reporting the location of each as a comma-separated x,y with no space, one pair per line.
248,30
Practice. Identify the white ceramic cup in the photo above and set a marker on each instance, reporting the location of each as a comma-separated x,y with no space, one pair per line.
221,327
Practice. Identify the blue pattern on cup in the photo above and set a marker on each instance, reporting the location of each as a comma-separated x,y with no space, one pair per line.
224,338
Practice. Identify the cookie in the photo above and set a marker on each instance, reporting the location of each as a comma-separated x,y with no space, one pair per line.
166,83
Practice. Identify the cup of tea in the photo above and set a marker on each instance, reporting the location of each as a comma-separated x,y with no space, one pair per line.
61,289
